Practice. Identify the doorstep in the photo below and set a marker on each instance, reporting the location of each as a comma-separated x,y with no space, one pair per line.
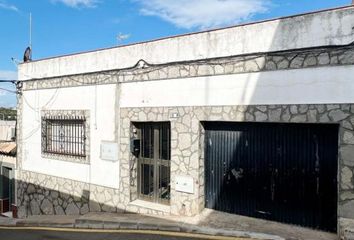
151,205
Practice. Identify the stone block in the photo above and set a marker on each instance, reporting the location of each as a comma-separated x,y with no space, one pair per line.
299,118
347,57
274,115
346,209
347,155
348,137
347,179
270,66
323,59
310,61
47,207
297,62
338,115
260,116
72,209
35,209
284,64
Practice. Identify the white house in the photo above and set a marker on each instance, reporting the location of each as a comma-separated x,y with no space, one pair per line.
255,119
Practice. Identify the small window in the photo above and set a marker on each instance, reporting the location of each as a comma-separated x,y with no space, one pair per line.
64,135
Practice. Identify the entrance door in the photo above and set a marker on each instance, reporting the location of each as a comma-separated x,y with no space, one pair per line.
6,188
280,172
154,162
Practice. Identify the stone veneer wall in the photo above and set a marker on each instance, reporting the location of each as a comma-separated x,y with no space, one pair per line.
142,71
38,193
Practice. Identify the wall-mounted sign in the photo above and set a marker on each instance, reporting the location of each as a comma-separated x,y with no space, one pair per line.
174,115
184,184
109,151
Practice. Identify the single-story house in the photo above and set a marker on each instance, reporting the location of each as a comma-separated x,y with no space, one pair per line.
254,119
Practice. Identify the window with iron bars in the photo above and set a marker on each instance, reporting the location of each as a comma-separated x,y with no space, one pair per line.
64,135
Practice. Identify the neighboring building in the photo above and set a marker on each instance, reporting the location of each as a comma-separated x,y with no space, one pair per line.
7,165
7,177
7,130
255,119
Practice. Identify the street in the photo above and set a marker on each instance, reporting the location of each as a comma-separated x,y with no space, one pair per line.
15,233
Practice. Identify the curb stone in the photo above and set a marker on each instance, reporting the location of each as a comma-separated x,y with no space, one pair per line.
137,225
178,227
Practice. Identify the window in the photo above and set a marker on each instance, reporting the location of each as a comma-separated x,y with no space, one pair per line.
64,135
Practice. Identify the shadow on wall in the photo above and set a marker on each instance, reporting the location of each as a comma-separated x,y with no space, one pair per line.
35,199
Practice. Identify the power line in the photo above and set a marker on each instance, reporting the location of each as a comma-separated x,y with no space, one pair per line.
8,90
8,81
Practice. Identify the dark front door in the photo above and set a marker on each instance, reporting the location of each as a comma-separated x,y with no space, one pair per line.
7,188
280,172
154,162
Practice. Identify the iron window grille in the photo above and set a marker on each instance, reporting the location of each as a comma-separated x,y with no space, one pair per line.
64,135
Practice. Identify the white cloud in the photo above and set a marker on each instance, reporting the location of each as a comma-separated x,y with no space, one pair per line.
203,13
78,3
8,75
7,6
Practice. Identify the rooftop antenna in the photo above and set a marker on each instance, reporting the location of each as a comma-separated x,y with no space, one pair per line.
30,31
121,37
27,57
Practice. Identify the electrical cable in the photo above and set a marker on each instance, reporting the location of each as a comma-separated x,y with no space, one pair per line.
145,67
8,90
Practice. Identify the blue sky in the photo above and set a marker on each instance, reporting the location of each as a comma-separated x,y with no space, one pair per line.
68,26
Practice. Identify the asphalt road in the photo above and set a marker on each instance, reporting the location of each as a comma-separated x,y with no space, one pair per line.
55,234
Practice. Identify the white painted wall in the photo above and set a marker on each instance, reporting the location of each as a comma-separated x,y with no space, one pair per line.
316,29
102,127
303,86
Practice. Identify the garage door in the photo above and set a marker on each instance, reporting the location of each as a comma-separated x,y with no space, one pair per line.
280,172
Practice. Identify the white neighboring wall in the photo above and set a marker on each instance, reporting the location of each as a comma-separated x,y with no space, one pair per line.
102,128
7,130
332,27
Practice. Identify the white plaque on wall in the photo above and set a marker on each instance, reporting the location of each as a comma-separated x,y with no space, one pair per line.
109,151
184,184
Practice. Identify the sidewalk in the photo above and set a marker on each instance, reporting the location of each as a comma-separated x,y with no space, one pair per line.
209,222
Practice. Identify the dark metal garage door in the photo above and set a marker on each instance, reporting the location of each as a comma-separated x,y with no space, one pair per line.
280,172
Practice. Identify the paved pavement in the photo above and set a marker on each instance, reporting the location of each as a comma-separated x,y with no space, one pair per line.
69,234
209,222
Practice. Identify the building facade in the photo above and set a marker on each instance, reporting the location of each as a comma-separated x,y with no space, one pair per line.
214,119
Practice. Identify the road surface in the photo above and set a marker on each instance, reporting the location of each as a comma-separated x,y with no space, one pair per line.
30,233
